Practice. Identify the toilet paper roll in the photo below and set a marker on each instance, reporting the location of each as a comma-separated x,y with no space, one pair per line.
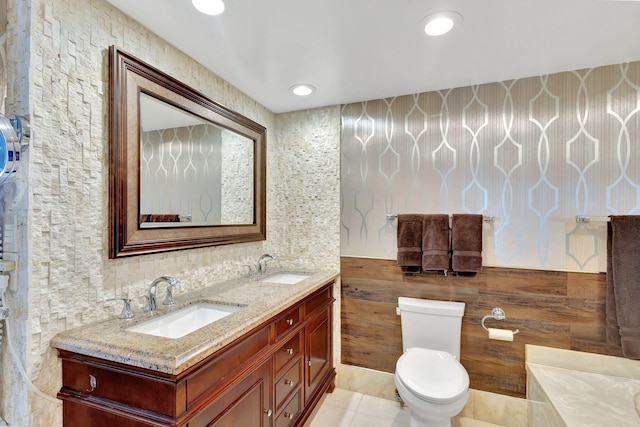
500,334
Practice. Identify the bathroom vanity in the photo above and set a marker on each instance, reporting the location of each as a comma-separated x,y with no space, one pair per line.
267,364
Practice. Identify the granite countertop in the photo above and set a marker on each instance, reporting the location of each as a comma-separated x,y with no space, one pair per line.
260,301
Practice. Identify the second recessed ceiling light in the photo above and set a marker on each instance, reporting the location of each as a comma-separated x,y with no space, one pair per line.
440,23
302,89
209,7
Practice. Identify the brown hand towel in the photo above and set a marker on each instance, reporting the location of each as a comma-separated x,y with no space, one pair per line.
625,247
159,218
436,241
410,242
612,329
466,243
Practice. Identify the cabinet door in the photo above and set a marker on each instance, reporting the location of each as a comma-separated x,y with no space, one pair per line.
318,352
247,403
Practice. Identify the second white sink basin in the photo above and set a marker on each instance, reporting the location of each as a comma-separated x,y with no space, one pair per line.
184,321
288,278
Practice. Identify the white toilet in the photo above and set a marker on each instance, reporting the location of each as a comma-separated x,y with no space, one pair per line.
429,377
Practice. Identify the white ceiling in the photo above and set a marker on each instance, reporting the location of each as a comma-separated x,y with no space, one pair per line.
357,50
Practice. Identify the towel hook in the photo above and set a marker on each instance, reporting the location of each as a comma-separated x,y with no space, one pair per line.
498,314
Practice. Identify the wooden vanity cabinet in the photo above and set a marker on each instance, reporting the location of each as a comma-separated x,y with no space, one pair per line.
272,376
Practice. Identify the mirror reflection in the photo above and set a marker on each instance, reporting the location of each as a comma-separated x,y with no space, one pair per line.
192,172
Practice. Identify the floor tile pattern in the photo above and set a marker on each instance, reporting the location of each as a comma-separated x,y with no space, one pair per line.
344,408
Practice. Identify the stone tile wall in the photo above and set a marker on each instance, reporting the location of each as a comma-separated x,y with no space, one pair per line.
60,80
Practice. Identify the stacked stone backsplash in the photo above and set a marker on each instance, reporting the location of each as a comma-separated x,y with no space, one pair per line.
57,74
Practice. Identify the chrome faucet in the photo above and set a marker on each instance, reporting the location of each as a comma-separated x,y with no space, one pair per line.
261,268
151,297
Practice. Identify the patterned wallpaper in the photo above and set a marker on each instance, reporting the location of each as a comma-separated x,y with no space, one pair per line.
199,171
534,153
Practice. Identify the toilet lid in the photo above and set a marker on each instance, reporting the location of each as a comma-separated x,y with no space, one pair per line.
433,376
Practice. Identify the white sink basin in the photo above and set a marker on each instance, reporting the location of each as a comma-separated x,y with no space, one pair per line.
184,321
288,278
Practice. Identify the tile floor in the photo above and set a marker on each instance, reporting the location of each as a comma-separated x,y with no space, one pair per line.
344,408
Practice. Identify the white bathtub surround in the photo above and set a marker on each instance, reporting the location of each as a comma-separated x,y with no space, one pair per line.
482,406
583,361
576,389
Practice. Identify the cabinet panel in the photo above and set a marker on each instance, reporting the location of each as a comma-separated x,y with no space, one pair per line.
317,352
247,403
79,413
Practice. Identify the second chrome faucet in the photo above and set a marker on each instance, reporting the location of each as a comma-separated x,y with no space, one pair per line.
261,266
262,263
151,296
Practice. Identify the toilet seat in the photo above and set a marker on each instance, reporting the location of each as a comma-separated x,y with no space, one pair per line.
432,375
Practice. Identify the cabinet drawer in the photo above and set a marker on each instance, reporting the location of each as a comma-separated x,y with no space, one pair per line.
318,300
227,365
290,413
288,383
123,386
287,322
288,351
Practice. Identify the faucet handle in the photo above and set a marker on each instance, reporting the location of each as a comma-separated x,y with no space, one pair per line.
250,271
126,309
168,300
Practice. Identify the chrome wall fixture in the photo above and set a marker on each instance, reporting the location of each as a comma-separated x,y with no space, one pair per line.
15,133
487,219
585,219
498,314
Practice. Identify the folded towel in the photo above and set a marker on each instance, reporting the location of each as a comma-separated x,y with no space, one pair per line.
625,264
436,241
159,218
466,243
612,329
410,242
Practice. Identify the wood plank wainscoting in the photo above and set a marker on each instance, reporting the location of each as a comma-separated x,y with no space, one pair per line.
551,308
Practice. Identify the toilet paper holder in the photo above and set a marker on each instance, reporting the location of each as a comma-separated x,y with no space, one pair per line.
498,314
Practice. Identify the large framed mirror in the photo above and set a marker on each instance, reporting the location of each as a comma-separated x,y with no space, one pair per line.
185,172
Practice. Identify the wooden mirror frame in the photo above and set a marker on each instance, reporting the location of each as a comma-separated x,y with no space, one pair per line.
128,76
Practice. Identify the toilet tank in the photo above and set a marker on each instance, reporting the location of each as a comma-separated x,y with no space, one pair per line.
431,324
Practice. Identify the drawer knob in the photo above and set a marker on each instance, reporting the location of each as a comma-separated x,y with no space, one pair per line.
289,350
290,322
289,383
308,362
288,415
269,412
92,383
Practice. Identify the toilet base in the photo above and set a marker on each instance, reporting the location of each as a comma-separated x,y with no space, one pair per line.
425,414
428,422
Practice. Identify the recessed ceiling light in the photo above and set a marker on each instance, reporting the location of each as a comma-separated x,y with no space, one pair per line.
302,89
209,7
440,23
